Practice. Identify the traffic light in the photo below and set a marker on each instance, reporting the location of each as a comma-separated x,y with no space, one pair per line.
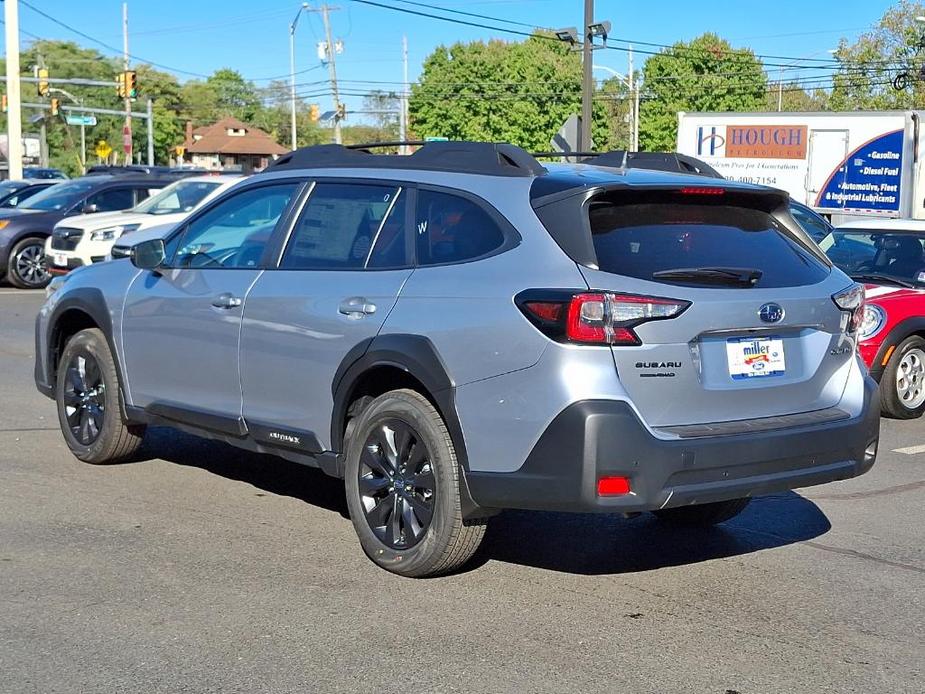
54,106
42,86
120,85
131,80
314,112
4,104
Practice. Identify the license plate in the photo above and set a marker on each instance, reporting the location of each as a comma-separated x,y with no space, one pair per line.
59,259
755,357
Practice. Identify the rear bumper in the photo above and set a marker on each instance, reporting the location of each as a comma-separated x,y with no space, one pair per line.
596,438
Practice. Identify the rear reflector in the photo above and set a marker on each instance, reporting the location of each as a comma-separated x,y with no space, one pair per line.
613,486
547,310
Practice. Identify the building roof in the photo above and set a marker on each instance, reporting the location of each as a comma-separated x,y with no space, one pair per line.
214,139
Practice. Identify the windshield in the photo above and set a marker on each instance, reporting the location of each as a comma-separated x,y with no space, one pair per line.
59,197
859,252
7,187
181,196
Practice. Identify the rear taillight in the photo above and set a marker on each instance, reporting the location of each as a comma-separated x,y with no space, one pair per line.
851,300
595,318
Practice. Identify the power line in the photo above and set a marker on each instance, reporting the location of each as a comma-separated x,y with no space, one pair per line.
106,45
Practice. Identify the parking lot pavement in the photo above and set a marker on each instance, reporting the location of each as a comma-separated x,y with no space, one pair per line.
200,568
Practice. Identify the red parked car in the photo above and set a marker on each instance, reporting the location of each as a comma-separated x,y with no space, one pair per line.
888,256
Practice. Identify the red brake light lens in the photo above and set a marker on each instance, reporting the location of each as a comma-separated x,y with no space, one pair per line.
702,190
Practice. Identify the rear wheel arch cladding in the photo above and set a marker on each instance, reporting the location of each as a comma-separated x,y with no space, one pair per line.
414,355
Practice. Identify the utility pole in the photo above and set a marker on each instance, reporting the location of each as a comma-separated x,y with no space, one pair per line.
637,117
14,98
403,104
43,123
127,130
633,115
587,84
150,133
292,28
332,70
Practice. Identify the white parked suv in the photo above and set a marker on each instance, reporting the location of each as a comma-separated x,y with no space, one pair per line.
76,242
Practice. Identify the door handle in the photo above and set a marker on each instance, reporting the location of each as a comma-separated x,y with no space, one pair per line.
357,307
226,300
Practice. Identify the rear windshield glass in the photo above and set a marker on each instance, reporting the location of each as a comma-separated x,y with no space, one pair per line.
640,240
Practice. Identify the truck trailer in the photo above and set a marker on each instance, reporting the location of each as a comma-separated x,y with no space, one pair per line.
840,164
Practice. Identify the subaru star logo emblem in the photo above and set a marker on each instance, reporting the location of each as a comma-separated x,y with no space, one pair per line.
771,313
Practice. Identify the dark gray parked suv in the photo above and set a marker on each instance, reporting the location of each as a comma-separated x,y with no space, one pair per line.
465,330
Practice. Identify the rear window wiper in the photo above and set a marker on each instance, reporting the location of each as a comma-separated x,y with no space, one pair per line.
876,279
746,277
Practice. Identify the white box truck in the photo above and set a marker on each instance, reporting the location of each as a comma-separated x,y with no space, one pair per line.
841,164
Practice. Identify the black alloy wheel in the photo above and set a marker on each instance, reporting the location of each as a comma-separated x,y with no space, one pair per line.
84,398
396,484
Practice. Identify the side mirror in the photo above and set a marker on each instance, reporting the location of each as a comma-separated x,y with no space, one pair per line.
89,209
149,255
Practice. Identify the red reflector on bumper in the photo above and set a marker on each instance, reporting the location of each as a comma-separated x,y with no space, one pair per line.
613,486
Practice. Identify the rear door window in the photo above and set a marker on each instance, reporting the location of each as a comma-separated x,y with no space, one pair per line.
452,229
640,240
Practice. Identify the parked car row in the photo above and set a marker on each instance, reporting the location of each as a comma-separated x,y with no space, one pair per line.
30,210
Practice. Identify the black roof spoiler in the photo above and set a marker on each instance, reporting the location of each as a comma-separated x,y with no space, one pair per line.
489,158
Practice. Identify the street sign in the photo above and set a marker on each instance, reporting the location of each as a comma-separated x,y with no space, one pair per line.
127,139
436,139
80,120
103,149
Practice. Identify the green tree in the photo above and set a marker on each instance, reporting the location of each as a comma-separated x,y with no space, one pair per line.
385,119
868,66
793,97
518,92
234,96
706,74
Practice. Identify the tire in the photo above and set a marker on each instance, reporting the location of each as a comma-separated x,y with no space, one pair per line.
403,427
902,386
703,515
27,267
88,395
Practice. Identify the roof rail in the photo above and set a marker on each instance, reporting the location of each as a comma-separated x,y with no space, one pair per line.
658,161
489,158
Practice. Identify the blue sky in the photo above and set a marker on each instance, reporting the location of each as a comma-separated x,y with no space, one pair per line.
198,36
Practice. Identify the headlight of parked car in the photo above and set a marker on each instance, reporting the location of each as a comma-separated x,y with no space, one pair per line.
872,321
110,233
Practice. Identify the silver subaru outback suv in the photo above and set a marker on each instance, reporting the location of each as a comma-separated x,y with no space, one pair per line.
464,330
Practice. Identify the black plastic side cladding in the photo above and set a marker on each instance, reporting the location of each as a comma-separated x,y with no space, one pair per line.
89,301
417,356
897,334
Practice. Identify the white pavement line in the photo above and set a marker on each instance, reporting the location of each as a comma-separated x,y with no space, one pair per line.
24,292
910,450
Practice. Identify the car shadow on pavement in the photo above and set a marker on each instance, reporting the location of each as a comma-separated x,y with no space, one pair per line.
595,544
266,472
591,544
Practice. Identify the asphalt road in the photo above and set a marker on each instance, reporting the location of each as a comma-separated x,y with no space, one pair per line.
204,569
